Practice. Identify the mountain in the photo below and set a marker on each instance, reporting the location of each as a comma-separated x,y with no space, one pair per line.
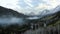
56,9
49,18
10,12
42,13
9,16
52,11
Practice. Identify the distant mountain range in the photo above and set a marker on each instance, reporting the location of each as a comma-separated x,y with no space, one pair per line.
48,17
44,13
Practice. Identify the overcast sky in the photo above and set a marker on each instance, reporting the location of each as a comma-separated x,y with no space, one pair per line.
28,6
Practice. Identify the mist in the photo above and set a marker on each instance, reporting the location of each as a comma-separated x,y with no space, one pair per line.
11,20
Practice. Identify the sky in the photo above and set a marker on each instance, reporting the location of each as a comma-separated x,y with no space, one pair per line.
30,6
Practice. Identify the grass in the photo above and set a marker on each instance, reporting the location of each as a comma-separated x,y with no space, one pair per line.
58,22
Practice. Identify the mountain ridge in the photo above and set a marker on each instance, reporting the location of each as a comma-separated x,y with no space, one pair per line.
7,12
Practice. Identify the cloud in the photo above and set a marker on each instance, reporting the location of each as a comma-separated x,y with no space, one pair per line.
28,6
28,2
48,4
11,20
12,4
